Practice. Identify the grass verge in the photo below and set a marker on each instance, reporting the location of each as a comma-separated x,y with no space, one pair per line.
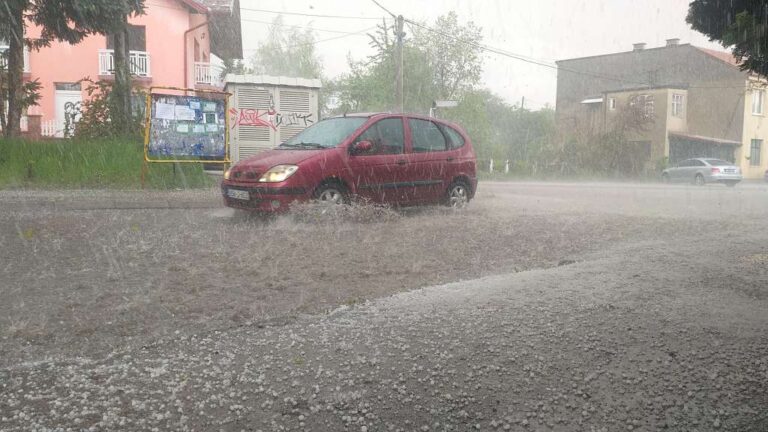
90,164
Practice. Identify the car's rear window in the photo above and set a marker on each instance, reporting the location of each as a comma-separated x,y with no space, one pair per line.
455,140
718,162
426,136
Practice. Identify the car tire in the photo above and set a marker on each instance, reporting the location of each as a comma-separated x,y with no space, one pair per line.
457,195
699,180
665,178
331,193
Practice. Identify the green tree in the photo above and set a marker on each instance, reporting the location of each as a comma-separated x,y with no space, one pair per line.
439,62
740,24
233,66
59,20
453,53
287,51
370,84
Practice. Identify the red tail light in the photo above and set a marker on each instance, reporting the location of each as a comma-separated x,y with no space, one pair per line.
715,170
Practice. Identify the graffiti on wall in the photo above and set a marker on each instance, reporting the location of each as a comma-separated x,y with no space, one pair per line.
72,111
268,118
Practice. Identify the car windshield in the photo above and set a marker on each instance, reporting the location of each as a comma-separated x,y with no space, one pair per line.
325,134
718,162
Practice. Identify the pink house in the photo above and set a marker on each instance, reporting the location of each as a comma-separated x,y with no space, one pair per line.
176,43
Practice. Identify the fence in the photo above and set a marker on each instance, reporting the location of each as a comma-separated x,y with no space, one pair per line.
48,128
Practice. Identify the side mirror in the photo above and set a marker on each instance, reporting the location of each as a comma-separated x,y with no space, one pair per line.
362,147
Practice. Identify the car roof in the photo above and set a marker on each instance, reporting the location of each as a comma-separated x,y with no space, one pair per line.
390,113
387,113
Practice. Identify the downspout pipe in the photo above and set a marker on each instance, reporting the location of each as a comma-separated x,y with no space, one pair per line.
186,59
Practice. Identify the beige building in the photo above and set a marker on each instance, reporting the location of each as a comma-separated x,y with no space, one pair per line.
694,102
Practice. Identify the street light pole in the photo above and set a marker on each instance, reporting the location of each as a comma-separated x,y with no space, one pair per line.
399,64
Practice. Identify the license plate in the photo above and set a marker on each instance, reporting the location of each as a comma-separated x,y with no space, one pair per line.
238,194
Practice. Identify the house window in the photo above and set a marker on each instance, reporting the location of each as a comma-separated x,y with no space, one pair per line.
137,39
612,104
643,104
68,86
648,107
757,102
754,152
677,105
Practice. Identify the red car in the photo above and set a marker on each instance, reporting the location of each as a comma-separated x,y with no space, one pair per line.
399,159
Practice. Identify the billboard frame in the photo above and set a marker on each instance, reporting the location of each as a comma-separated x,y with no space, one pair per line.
148,124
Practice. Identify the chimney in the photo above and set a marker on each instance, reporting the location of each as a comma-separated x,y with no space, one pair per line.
638,46
673,42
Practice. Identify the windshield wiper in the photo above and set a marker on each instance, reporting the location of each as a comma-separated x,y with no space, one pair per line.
303,144
311,144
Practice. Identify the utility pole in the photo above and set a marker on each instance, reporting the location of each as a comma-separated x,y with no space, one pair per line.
522,103
399,64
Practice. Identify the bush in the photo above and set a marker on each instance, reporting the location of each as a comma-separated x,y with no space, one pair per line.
96,120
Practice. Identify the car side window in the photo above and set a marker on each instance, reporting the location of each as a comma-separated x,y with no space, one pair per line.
426,136
386,135
698,163
455,140
683,164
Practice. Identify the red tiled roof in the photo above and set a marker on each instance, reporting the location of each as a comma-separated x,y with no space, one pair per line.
721,55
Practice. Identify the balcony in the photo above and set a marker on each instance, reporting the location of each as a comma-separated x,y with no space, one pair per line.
139,61
4,58
207,74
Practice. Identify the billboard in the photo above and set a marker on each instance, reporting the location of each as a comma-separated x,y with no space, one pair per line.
184,128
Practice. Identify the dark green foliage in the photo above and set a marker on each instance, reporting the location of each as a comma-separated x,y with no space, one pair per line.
97,113
740,24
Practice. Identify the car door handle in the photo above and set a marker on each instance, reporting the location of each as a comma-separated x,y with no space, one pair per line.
450,159
401,161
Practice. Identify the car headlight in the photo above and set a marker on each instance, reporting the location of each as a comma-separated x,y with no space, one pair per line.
226,174
278,173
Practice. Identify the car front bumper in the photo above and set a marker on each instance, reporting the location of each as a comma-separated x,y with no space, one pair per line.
268,199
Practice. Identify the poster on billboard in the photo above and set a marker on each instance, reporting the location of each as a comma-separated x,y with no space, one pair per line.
184,128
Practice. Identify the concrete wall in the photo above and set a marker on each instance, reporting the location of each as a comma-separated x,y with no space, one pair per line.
755,127
708,79
656,130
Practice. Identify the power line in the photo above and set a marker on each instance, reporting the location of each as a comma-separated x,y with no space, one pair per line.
383,8
310,15
334,38
294,26
359,32
547,65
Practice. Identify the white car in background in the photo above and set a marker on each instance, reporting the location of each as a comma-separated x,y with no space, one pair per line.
701,171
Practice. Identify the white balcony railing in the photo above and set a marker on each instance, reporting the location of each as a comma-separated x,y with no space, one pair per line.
206,73
139,61
4,58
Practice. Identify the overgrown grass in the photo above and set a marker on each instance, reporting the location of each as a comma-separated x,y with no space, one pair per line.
90,164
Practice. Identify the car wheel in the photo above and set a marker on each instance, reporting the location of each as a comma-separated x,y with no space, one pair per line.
699,180
457,195
331,193
665,178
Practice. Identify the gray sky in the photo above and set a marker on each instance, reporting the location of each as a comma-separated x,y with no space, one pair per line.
546,30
